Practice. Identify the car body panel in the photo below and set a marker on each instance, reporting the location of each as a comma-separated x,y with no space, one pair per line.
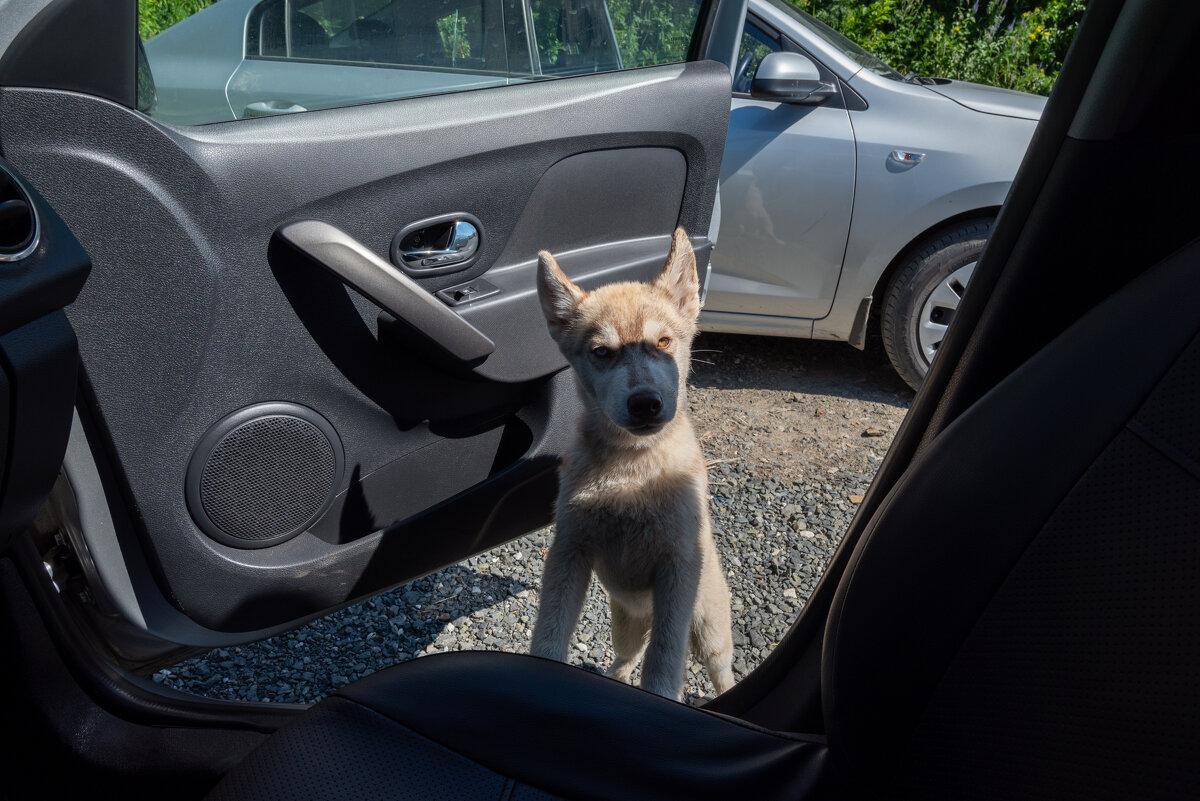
897,205
815,273
758,325
767,231
991,99
875,256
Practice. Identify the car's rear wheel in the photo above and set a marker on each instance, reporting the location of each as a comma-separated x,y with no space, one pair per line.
924,294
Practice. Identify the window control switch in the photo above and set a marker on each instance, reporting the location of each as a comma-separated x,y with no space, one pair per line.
468,292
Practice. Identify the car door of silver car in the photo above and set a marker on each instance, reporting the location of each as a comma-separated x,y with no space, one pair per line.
787,191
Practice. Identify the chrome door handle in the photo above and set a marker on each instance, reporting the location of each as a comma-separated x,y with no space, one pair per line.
462,240
446,243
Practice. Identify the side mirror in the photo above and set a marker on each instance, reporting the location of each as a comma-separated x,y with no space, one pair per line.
790,78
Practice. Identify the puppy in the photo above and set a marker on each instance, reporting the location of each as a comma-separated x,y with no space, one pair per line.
633,492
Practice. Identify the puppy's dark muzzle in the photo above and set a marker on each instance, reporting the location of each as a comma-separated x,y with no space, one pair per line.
645,408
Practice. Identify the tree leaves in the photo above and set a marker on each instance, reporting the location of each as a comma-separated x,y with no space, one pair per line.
1015,45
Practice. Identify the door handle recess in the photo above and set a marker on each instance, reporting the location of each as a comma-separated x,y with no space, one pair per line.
447,243
270,108
360,269
462,240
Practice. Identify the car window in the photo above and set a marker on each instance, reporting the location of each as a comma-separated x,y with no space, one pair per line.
244,58
756,44
377,32
576,37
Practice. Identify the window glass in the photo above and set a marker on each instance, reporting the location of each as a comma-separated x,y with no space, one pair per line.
575,36
755,46
243,58
414,34
653,31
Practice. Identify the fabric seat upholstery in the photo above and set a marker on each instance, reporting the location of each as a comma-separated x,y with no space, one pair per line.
1021,619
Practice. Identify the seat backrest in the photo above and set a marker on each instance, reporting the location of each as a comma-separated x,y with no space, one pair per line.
1022,617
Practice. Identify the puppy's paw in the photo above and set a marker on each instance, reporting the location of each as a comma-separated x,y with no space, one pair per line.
548,649
622,673
667,689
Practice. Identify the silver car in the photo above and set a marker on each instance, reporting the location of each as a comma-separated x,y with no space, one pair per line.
850,193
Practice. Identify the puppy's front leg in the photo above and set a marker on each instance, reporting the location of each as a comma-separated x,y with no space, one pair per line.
564,584
675,588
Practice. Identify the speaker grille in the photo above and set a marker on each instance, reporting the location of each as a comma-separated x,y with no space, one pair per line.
263,474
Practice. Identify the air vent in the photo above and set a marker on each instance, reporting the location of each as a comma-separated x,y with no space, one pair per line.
18,221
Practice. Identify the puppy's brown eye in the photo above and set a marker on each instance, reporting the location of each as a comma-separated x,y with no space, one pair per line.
600,351
664,342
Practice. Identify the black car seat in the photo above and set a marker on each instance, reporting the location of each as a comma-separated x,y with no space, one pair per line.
1021,619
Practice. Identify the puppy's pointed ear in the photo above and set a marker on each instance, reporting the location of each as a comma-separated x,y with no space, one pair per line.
679,276
558,294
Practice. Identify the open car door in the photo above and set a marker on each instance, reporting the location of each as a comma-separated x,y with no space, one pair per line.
313,365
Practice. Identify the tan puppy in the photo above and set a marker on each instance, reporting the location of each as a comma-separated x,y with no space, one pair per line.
633,493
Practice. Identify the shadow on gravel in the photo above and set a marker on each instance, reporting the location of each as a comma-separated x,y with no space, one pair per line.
303,665
733,361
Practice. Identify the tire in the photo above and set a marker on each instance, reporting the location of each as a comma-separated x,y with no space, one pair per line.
923,294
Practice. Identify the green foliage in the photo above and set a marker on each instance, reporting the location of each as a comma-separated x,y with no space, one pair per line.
1016,45
452,30
545,24
653,31
647,31
155,16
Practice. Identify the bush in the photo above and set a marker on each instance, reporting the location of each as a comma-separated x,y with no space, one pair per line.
653,31
155,16
1016,45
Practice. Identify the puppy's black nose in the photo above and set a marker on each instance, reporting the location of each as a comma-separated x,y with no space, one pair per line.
644,406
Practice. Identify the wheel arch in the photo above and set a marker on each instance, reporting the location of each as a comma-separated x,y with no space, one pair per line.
915,244
871,261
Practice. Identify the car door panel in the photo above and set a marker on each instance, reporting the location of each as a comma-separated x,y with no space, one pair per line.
197,310
787,191
787,188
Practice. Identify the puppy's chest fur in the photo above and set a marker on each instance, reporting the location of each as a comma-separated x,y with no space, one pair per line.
631,515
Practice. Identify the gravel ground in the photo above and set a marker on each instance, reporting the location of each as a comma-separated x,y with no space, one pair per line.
793,431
